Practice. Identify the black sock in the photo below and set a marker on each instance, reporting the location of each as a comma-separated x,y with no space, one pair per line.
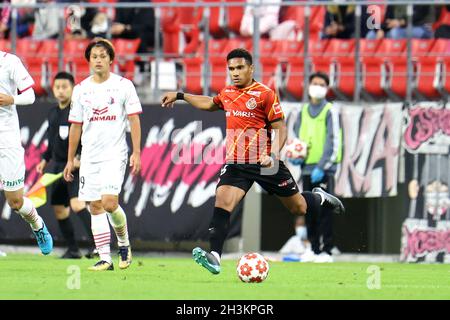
69,235
312,201
85,217
218,229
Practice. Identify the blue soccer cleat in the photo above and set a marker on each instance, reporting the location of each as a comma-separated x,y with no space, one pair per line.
206,260
44,239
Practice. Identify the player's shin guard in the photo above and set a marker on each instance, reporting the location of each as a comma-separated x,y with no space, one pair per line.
218,229
29,214
118,220
102,235
312,201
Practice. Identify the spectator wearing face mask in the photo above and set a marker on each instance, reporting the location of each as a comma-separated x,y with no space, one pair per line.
319,126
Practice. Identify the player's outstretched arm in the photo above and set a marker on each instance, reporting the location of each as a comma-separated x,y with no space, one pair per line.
200,102
74,140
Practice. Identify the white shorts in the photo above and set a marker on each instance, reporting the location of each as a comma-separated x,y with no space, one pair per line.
100,178
12,168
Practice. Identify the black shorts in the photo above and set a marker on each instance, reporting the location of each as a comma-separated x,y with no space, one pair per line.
62,191
242,176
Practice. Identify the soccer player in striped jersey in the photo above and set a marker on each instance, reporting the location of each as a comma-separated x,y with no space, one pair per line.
252,113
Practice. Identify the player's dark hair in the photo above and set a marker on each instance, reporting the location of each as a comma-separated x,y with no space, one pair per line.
240,53
63,75
100,42
321,75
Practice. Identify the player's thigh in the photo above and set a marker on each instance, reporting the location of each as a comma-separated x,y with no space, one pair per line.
89,186
112,174
232,187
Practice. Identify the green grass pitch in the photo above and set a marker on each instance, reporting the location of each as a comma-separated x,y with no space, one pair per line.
39,277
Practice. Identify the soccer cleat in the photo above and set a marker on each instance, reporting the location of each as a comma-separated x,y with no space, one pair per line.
124,257
44,239
71,254
102,265
323,257
330,201
206,260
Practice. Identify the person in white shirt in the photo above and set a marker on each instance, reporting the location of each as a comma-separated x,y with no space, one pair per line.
102,106
16,89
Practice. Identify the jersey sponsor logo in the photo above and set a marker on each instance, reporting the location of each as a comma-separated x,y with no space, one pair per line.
13,183
100,111
244,114
277,108
251,104
100,115
254,93
229,90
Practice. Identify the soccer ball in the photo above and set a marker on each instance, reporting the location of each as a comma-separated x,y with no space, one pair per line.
252,267
296,149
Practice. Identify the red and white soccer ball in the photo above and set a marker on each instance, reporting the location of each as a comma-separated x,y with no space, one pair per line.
296,149
252,267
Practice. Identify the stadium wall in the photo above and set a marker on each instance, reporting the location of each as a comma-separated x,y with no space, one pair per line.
170,204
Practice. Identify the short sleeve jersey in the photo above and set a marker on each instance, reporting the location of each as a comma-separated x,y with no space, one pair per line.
249,112
103,110
14,79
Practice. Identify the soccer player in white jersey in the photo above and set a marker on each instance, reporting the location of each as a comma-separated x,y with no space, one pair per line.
102,106
16,89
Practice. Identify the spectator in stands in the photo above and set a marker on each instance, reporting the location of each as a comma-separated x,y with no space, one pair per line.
83,23
133,23
25,19
340,22
442,25
395,23
268,17
46,25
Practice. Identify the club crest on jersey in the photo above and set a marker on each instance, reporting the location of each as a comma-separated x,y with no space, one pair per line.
251,104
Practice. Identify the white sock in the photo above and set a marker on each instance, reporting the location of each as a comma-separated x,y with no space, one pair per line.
215,254
29,214
118,220
102,235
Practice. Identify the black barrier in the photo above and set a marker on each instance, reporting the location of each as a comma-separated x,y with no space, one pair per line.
171,201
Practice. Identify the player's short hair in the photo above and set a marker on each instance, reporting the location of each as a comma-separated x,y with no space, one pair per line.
100,42
63,75
240,53
320,74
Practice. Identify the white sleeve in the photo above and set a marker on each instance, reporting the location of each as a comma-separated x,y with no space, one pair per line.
132,104
76,109
20,75
25,98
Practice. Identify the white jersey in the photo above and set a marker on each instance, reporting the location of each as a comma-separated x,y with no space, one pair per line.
103,111
14,79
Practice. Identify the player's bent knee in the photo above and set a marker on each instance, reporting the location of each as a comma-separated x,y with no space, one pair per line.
15,203
96,207
110,205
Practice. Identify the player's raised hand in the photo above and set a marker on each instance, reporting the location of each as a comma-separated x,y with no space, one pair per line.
6,100
68,176
135,163
168,99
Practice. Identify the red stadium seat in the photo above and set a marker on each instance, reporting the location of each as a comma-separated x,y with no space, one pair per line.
342,74
217,23
317,50
269,63
234,17
372,68
295,68
75,48
125,50
433,69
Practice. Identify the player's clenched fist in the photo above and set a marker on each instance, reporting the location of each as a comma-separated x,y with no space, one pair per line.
168,99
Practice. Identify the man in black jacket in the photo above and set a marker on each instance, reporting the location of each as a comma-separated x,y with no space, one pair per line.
64,195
